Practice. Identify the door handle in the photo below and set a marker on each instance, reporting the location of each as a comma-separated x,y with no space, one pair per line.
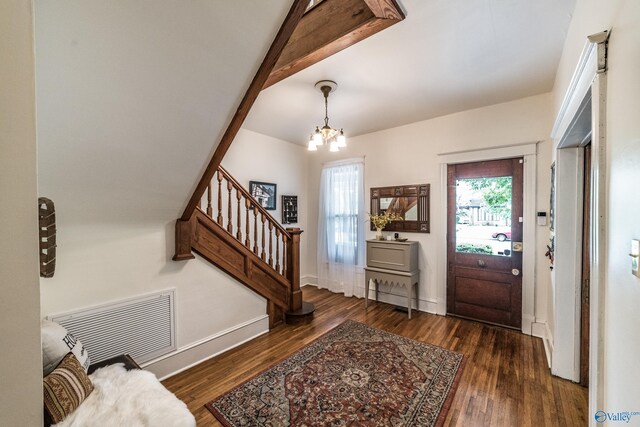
481,263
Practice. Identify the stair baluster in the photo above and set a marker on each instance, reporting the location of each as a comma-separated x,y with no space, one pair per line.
284,256
229,207
263,254
278,250
255,230
280,267
209,208
220,220
271,244
247,205
239,233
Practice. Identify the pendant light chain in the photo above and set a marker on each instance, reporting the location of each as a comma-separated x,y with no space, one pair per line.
326,108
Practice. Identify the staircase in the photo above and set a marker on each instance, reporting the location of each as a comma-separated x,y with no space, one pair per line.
230,229
238,235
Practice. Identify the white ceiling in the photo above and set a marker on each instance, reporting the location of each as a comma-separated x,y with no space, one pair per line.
446,56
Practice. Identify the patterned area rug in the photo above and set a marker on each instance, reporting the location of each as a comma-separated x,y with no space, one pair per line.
352,375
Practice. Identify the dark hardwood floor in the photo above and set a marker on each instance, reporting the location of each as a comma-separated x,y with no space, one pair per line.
505,382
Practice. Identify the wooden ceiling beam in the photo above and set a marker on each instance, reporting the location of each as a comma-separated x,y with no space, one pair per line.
385,9
328,28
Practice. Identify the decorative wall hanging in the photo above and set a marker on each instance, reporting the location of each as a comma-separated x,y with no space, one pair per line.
47,234
409,202
551,252
289,209
264,193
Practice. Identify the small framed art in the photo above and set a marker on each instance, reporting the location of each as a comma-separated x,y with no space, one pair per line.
264,193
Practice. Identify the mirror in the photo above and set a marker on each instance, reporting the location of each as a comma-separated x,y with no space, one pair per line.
405,207
411,202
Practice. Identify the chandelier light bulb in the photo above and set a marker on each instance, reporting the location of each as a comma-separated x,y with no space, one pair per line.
312,144
333,146
342,140
317,137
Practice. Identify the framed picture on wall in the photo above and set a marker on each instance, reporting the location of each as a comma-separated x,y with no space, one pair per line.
264,193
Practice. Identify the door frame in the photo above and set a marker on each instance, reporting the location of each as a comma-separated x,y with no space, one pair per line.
528,151
589,82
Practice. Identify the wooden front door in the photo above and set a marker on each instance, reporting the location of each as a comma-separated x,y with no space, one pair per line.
484,243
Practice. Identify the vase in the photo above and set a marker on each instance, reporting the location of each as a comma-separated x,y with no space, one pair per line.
379,235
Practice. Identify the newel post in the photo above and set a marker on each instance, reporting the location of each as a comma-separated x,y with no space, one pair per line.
184,234
293,269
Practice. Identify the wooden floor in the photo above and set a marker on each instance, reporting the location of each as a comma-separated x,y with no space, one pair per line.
505,382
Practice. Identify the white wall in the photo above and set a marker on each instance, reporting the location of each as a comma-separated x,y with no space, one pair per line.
257,157
621,373
409,155
103,262
131,99
20,371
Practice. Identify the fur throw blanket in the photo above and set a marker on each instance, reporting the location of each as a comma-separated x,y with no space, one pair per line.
129,398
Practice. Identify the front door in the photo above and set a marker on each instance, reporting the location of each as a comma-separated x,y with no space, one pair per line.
484,243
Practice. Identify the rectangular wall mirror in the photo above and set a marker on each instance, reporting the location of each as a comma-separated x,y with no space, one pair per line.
411,202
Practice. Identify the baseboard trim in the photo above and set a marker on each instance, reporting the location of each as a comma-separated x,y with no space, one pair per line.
426,305
541,330
197,352
548,345
309,280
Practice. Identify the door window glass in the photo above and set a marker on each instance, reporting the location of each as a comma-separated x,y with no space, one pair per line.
483,215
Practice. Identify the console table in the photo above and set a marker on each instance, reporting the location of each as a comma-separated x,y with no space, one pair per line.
395,263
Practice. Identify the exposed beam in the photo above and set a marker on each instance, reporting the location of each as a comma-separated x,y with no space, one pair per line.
288,26
330,27
385,9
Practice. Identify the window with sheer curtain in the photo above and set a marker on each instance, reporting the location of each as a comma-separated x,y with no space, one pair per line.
341,226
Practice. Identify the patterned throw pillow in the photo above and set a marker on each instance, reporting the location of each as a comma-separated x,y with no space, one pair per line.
56,343
65,388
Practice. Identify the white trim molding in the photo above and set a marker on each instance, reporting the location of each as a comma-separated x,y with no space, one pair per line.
567,269
197,352
396,295
309,279
541,330
589,81
578,89
529,152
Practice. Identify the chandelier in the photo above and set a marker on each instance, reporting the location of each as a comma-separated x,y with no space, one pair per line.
326,134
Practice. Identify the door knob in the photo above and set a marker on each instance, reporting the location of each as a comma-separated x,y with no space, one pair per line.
481,263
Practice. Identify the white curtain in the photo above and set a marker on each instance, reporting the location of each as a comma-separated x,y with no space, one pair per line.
341,228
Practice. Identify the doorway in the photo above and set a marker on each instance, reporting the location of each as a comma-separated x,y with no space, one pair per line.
586,269
484,241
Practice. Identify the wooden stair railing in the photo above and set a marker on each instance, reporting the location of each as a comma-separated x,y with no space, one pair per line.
242,252
230,229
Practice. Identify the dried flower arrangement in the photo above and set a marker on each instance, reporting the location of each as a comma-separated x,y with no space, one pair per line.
381,220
